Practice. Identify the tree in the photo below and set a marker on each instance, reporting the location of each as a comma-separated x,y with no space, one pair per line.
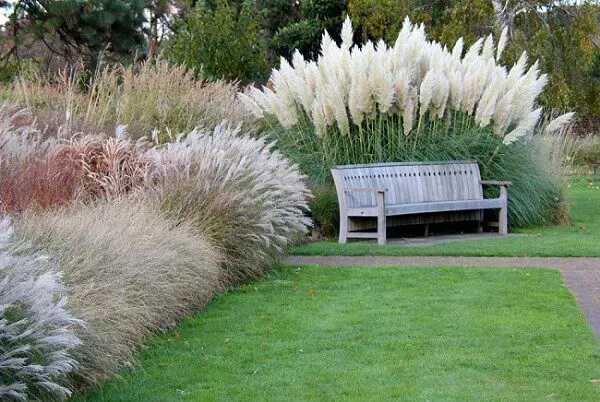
382,19
315,17
86,28
223,43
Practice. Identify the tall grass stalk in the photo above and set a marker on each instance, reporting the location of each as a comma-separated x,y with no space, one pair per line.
149,97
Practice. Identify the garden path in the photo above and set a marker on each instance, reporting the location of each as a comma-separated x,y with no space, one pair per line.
582,275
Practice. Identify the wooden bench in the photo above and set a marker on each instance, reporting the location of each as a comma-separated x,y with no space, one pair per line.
387,190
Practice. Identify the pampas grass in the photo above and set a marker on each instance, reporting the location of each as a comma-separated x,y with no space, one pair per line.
236,190
129,273
418,100
370,81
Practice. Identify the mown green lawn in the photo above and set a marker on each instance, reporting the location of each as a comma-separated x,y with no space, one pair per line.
375,333
579,239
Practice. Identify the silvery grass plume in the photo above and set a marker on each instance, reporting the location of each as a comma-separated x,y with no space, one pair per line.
36,332
559,123
19,144
236,189
351,84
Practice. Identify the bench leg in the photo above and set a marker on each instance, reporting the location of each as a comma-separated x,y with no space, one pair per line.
503,219
381,220
381,229
343,229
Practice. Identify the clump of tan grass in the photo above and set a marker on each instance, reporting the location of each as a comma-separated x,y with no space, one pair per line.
586,149
129,273
147,97
245,196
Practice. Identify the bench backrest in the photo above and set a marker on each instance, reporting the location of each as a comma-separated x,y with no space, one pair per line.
408,182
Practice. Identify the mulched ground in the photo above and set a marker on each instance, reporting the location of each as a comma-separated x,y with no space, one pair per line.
582,275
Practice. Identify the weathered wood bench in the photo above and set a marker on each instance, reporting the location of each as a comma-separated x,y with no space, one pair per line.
387,190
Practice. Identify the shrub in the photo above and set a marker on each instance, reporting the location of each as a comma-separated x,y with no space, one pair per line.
129,272
413,101
324,209
36,333
148,98
225,42
236,190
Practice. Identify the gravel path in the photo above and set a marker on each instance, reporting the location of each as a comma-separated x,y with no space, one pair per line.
582,275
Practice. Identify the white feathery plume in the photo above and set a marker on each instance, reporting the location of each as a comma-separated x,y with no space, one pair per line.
488,48
503,113
474,81
502,43
455,79
311,73
526,126
439,96
426,92
487,103
318,118
281,87
337,102
559,123
251,105
326,43
517,70
304,94
457,51
409,111
321,97
347,34
299,63
381,80
402,86
473,52
527,90
262,99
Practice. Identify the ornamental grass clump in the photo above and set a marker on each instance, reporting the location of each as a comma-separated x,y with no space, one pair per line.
149,96
38,173
236,190
37,334
414,100
128,271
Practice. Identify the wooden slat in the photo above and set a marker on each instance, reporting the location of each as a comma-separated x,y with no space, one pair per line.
442,206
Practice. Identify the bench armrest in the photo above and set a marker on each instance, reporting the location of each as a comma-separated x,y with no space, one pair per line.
366,190
496,183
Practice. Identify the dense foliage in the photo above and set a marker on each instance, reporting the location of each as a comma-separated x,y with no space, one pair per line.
224,42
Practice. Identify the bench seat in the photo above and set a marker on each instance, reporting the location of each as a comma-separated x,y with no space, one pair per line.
412,189
428,207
